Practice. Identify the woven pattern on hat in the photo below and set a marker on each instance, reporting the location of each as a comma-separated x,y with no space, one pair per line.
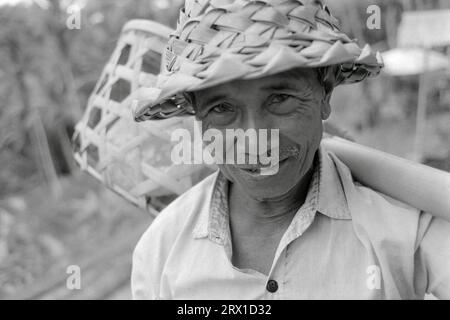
221,40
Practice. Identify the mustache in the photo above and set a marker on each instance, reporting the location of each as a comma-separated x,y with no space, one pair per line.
284,152
289,151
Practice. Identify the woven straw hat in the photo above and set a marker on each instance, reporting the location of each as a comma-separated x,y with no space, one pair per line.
217,41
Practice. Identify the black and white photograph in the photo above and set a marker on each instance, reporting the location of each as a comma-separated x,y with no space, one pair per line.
224,150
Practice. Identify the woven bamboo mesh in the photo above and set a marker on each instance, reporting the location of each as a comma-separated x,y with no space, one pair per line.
220,40
132,158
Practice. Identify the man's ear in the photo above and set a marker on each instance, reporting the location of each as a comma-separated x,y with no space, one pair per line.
325,108
327,78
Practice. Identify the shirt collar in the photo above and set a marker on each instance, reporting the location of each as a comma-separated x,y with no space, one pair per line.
325,195
332,200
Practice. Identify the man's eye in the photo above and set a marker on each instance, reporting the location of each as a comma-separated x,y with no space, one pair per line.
278,98
221,108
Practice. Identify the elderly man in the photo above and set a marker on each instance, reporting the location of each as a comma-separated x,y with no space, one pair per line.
307,232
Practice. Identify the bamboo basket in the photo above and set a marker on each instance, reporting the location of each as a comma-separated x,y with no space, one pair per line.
131,158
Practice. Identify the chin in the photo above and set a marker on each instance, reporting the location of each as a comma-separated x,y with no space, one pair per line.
270,186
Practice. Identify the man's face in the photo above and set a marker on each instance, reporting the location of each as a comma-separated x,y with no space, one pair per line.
292,102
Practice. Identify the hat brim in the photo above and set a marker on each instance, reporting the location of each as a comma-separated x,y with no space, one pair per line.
355,64
215,44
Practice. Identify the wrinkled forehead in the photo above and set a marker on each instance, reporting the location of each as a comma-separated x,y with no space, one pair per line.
295,79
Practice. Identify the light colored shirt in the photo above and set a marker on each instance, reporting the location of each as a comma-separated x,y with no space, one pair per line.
345,242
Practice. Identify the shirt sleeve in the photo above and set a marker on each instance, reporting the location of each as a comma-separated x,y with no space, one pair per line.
144,278
433,255
149,257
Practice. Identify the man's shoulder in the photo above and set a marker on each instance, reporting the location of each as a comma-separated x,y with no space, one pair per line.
183,211
388,201
380,215
172,225
191,202
366,193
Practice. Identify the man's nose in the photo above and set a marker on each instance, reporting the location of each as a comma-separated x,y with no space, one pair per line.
254,119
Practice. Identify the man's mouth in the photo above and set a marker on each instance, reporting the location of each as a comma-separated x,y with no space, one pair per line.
256,170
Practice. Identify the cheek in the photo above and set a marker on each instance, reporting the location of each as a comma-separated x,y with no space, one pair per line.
301,127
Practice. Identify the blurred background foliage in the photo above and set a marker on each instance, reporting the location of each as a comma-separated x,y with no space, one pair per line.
50,214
